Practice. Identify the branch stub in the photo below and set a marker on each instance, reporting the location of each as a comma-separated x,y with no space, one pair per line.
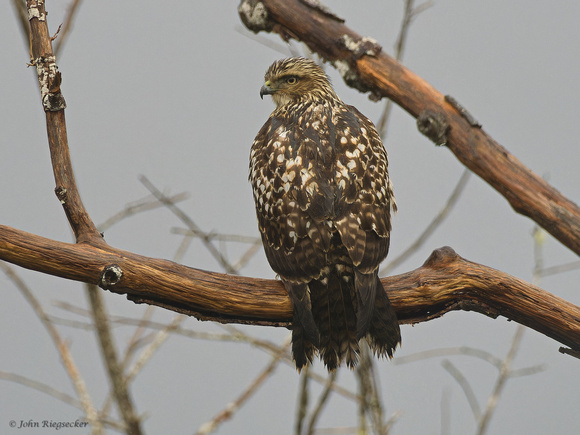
110,276
255,16
434,126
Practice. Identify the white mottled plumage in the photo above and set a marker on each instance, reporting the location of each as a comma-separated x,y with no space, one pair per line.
323,200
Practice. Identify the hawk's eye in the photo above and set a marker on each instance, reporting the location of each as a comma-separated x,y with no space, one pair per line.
291,80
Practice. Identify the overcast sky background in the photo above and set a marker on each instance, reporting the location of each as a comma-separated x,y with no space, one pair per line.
170,91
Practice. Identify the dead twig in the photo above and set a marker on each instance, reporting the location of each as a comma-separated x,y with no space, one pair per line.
504,374
183,217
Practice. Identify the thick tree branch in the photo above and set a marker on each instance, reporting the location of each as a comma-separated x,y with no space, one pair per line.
49,80
364,66
446,282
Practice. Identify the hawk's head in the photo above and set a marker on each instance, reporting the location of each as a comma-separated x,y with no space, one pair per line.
295,79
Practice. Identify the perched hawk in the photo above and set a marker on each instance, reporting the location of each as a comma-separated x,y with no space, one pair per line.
323,198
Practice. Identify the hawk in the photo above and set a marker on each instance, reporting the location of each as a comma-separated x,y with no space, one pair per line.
323,198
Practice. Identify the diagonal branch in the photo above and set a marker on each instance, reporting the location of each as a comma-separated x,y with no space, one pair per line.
365,67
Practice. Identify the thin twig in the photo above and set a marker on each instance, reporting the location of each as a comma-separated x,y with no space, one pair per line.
43,388
130,349
449,351
138,335
150,350
182,248
303,397
465,386
561,268
392,420
66,27
248,255
284,49
22,14
256,244
375,399
216,236
206,240
77,324
141,205
539,236
433,225
528,371
322,400
504,374
370,399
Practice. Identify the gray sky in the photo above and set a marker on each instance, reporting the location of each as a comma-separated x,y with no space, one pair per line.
171,92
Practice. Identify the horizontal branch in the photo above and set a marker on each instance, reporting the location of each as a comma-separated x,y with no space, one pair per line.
364,65
444,283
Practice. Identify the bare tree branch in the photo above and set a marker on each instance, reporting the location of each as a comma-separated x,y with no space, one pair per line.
364,65
49,80
445,282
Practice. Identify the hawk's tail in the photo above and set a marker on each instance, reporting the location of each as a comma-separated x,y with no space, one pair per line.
383,334
335,317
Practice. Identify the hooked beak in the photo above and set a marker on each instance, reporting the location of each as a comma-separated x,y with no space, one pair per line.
266,90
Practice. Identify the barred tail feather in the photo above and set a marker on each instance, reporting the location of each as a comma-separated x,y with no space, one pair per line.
366,288
384,334
346,328
335,317
304,331
302,348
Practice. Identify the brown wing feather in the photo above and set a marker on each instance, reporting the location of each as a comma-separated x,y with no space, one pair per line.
365,223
